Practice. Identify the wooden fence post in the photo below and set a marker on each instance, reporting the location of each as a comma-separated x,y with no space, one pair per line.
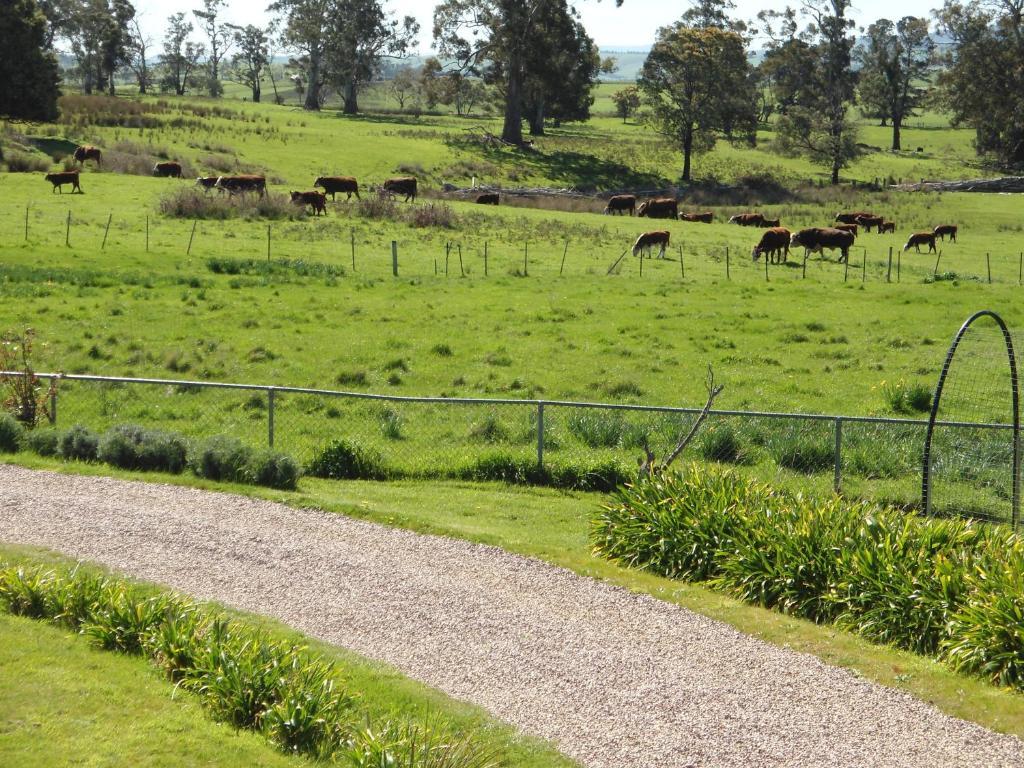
268,243
27,205
188,251
147,233
564,252
988,266
485,258
727,276
352,235
106,231
888,272
394,258
67,231
462,271
682,269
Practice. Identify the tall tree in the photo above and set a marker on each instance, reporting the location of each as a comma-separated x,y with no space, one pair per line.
895,59
817,123
306,29
28,68
253,45
697,85
219,36
181,55
139,45
983,77
362,34
98,33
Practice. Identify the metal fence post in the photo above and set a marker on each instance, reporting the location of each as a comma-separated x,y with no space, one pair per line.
53,403
838,457
540,434
270,417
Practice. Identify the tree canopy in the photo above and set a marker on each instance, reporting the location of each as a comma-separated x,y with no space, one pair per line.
28,68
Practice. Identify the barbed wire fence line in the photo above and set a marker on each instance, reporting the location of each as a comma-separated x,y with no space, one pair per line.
370,253
875,458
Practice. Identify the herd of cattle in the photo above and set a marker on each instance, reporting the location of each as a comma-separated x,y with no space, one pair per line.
774,244
776,240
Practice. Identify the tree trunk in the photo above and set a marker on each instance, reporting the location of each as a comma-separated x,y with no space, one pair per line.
536,118
256,91
313,85
897,124
350,99
687,151
273,83
512,131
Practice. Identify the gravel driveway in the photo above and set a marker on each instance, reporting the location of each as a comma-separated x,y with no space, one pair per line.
612,678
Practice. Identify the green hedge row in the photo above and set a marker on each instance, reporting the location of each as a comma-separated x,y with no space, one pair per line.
129,446
241,675
953,589
349,460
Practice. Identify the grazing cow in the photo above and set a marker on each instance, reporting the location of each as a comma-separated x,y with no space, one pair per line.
659,208
240,184
402,186
648,240
207,182
851,218
771,223
887,226
847,228
88,153
945,229
318,201
487,198
703,218
67,177
170,170
774,245
921,238
747,219
867,222
817,239
334,184
620,204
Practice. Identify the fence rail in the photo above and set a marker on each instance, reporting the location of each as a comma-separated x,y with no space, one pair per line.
870,456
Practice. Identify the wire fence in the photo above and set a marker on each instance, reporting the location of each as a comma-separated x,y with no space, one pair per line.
346,245
874,458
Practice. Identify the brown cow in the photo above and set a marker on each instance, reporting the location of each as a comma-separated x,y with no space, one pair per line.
488,198
659,208
334,184
648,240
620,204
88,153
402,186
747,219
207,182
703,218
945,229
67,177
318,201
851,218
887,226
868,222
817,239
772,242
243,183
847,228
921,238
771,223
169,170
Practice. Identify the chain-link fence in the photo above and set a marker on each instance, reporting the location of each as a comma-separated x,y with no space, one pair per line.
867,457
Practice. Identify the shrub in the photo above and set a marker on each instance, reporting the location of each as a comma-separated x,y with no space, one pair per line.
504,467
433,215
803,453
348,460
43,442
907,398
490,429
22,162
12,434
78,444
228,459
130,446
722,443
377,207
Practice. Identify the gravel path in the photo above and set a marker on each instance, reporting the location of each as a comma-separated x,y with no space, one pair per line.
614,679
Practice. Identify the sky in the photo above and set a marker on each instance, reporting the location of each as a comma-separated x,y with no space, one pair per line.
632,26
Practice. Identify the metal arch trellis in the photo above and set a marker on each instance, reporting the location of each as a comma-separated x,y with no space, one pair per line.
926,486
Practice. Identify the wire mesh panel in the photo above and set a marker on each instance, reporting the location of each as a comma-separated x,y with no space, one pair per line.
970,464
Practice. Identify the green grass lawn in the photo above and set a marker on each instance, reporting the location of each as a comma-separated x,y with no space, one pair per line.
63,703
554,526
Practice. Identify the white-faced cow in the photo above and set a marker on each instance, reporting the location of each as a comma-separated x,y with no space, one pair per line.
332,185
918,239
648,240
945,229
